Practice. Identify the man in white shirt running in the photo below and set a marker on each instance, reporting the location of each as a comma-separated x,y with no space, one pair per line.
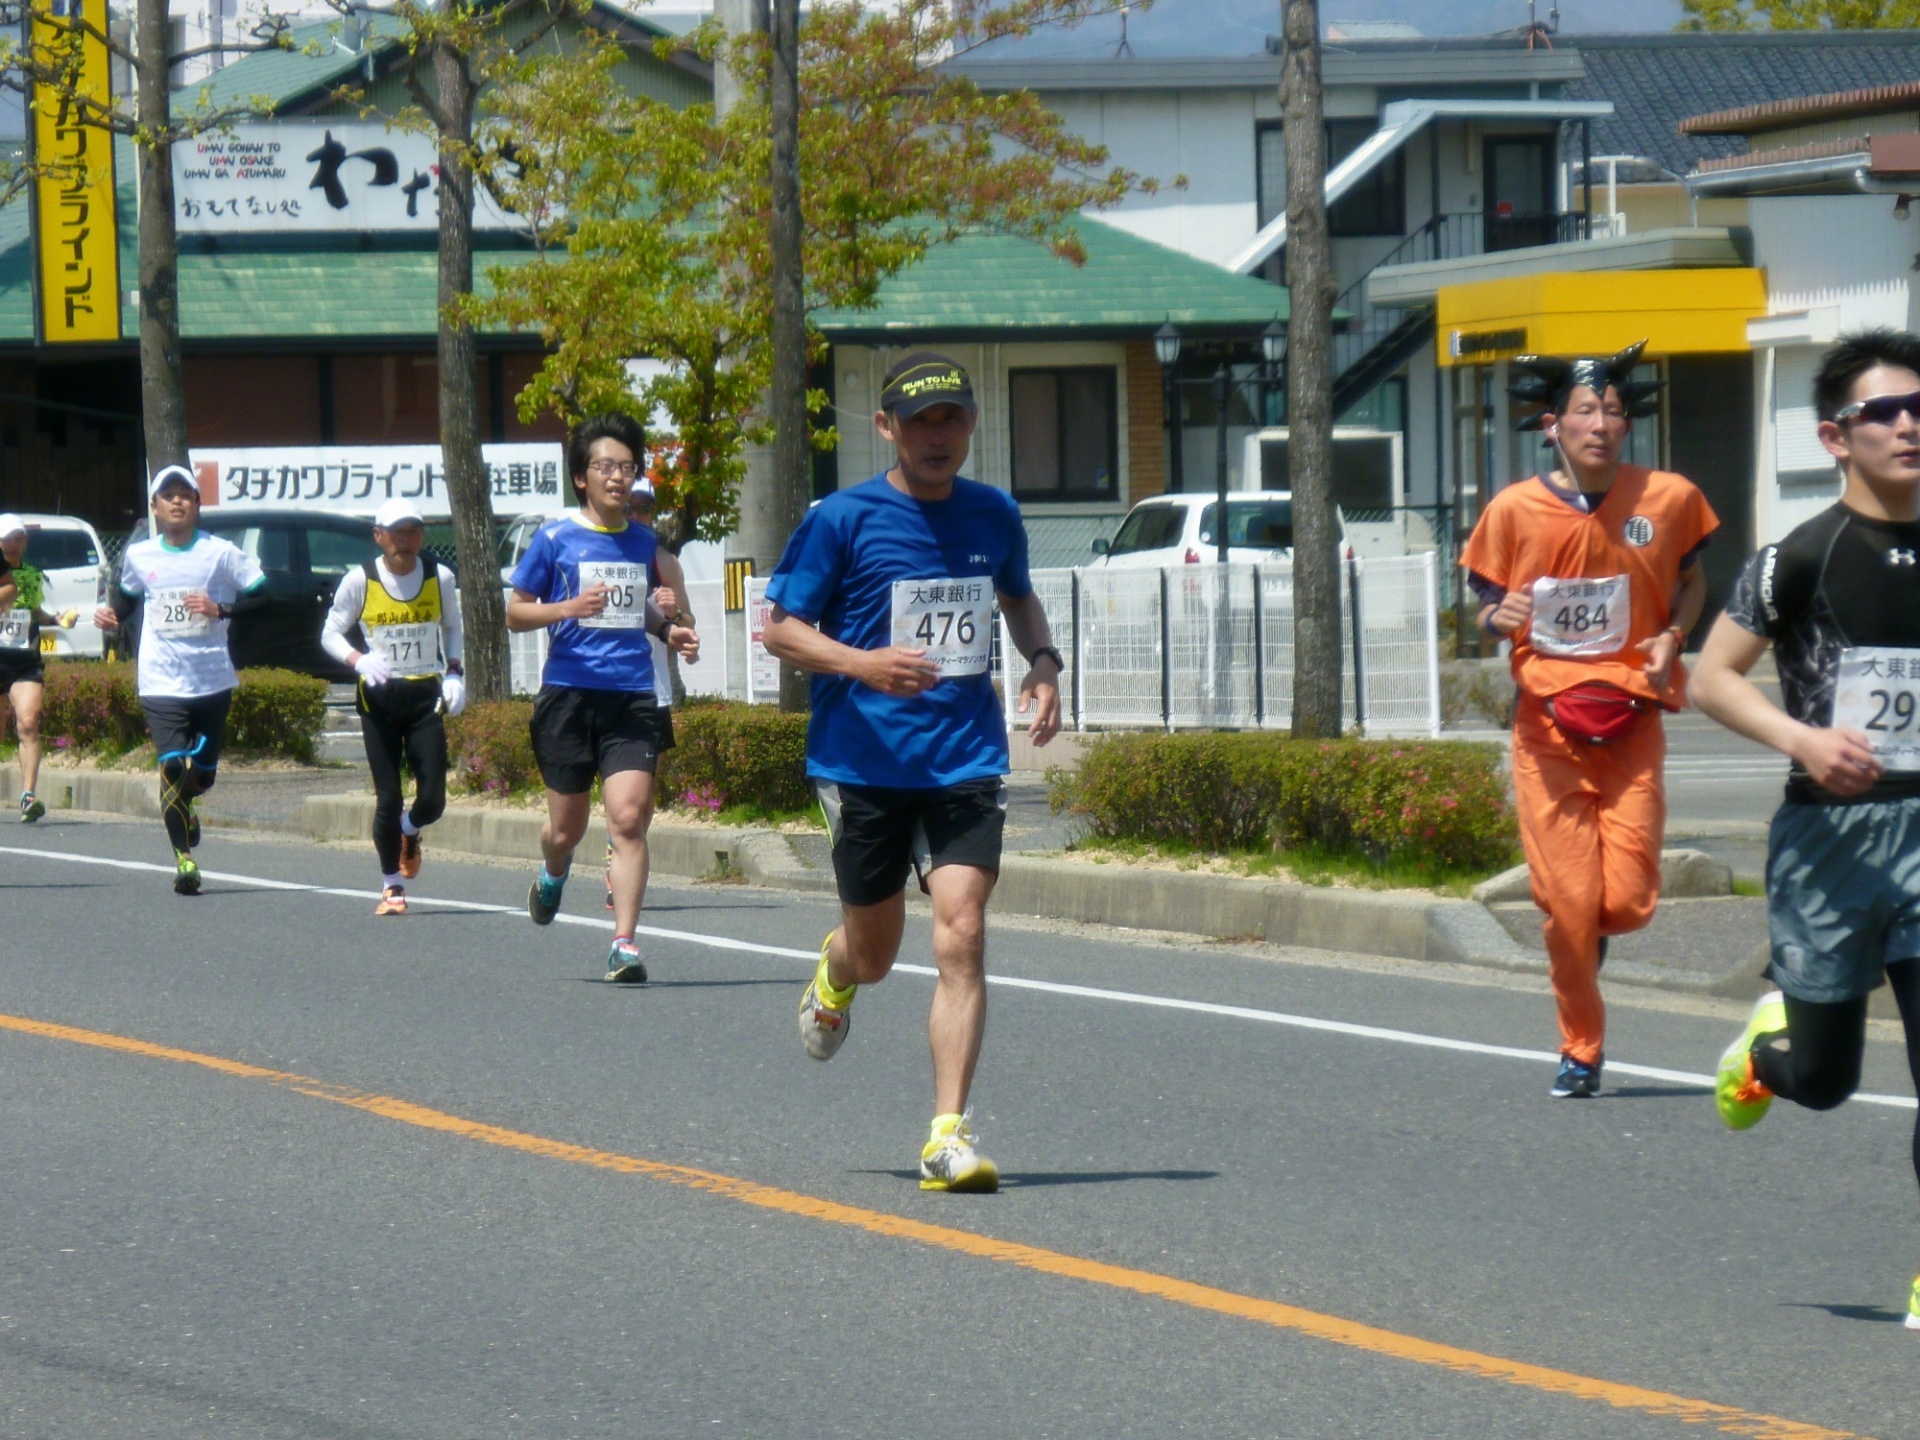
190,584
396,621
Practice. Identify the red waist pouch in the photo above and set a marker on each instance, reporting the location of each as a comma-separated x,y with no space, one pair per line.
1596,711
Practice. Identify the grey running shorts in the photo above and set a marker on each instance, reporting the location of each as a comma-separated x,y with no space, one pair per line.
1843,895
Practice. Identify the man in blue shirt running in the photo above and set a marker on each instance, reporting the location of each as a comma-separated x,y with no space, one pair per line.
886,593
585,579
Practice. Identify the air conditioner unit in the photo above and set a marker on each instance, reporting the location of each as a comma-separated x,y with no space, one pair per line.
1369,466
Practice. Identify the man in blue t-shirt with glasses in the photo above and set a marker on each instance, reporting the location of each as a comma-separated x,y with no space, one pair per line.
886,593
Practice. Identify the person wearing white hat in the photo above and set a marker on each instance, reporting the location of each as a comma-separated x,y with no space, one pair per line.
396,621
22,673
189,585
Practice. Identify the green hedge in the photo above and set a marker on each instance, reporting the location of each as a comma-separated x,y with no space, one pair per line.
489,750
1432,805
93,708
728,754
725,755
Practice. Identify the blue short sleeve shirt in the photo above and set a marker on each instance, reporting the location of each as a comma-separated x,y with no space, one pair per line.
582,657
838,572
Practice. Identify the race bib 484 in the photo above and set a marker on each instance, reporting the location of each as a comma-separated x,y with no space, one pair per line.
1576,618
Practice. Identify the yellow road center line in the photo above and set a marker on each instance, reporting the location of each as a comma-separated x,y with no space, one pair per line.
1331,1328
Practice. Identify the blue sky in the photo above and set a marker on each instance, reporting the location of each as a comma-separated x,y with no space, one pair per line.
1240,27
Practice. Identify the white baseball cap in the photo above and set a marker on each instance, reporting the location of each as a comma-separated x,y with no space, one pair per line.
172,475
12,525
641,486
398,512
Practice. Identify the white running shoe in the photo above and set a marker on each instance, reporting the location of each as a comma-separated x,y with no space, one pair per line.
950,1161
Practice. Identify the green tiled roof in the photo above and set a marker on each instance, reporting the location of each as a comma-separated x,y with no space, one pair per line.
984,284
284,75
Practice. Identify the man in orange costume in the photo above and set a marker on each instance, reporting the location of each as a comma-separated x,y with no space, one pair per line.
1592,571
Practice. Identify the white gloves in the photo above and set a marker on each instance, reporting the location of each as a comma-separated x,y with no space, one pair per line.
453,694
374,668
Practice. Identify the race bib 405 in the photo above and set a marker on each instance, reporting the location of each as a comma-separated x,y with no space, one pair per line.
626,594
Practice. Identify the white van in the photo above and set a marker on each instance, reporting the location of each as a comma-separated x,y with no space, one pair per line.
68,553
1178,530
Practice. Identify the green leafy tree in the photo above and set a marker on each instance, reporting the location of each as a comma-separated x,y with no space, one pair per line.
459,53
1800,14
652,222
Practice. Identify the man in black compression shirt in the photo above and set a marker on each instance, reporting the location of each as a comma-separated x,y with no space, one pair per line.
1839,601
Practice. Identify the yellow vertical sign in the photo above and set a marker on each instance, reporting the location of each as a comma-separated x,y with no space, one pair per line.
77,240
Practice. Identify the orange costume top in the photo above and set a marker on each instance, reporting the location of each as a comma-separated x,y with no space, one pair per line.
1602,582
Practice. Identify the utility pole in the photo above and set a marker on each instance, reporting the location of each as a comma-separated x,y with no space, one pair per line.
788,396
1311,290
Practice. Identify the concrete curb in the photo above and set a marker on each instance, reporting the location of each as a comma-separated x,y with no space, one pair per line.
1684,875
1406,927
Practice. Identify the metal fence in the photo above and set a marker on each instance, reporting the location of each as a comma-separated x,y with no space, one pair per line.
1190,647
527,652
1211,647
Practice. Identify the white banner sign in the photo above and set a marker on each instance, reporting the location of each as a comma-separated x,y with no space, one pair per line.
528,479
276,176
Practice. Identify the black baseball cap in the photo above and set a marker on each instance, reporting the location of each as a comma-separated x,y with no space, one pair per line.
921,379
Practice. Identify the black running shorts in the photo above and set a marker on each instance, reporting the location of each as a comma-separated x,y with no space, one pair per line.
578,734
18,667
195,727
880,833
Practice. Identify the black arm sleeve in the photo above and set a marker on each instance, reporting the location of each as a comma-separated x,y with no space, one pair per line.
254,599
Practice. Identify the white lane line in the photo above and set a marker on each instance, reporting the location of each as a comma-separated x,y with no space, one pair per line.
1048,987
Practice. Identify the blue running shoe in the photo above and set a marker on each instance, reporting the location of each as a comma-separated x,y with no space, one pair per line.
543,897
1576,1081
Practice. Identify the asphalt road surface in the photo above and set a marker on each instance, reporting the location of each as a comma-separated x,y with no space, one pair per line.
274,1168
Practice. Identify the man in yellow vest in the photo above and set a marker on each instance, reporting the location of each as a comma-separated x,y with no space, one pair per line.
396,621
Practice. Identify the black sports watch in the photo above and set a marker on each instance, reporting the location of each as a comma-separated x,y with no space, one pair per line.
1059,660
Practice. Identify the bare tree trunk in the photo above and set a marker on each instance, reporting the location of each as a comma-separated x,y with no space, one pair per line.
788,397
469,491
1310,284
163,402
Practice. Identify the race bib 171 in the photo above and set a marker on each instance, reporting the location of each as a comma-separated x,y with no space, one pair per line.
1877,692
626,594
1577,618
413,649
952,620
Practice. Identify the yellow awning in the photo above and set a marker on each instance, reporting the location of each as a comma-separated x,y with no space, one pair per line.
1677,312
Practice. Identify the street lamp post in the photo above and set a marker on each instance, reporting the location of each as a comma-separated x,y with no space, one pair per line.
1166,349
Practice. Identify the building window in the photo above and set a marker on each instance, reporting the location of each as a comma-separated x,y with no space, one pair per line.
1376,205
1066,442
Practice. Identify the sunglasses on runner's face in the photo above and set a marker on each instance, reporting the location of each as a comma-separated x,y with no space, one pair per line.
1881,409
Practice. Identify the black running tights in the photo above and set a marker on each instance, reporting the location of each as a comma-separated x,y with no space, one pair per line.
1819,1066
400,720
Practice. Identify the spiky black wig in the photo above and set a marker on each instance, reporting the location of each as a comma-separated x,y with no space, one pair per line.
1549,380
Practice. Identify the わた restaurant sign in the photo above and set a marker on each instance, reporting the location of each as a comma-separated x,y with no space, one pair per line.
314,176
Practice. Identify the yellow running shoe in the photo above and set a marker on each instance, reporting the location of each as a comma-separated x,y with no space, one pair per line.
826,1014
1913,1306
949,1161
1742,1099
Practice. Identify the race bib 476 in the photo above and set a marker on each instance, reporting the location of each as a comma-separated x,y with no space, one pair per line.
952,620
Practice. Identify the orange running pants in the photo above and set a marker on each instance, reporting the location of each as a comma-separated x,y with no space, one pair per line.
1592,818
